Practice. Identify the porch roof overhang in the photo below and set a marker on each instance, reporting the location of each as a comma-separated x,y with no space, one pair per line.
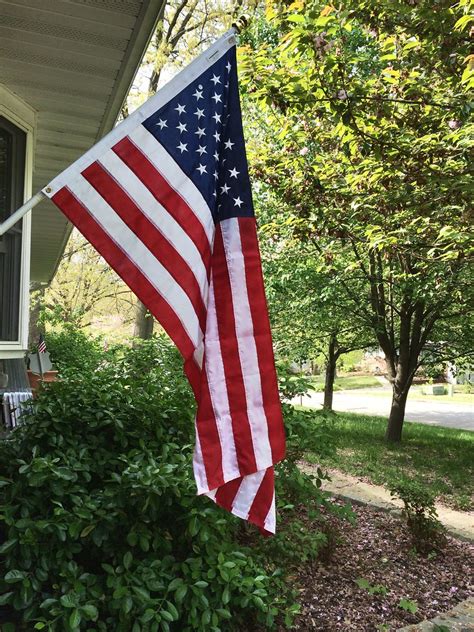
72,61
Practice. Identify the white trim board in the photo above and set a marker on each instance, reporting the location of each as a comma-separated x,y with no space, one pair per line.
23,116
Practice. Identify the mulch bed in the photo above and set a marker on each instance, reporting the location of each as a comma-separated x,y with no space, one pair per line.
377,548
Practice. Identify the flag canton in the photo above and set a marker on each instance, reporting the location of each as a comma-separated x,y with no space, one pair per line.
201,128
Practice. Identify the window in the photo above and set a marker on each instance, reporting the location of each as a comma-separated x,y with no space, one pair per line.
12,180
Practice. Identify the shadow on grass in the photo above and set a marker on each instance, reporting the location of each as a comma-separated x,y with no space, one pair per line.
441,458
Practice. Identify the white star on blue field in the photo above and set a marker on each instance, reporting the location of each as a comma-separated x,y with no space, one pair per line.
201,128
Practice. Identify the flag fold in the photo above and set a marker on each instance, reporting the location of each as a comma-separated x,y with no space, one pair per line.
165,198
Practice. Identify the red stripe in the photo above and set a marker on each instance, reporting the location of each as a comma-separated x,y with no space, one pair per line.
193,373
147,232
209,435
263,336
263,499
118,260
137,162
225,495
230,357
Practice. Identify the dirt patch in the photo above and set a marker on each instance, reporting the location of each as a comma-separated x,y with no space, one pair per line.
376,552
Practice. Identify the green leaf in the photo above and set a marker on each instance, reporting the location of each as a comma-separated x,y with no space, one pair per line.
201,584
167,616
90,611
127,559
225,595
4,598
7,546
229,565
148,615
408,605
69,600
14,576
362,582
127,604
141,592
172,609
180,593
296,18
87,530
75,619
175,583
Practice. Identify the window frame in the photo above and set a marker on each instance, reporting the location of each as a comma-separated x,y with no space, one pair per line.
20,114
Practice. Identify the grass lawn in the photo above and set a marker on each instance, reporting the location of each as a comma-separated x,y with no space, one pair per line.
442,458
346,382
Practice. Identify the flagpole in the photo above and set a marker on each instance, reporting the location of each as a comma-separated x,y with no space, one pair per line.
40,363
19,213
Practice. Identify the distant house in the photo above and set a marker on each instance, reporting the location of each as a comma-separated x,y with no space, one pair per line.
374,362
65,69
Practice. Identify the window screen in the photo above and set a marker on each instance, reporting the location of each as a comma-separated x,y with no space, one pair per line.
12,176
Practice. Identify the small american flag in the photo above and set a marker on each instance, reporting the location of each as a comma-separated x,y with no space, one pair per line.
41,344
165,198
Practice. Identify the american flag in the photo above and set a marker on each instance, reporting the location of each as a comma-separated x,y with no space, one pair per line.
165,198
41,344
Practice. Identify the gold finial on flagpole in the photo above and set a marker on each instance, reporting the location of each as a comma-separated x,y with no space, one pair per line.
241,23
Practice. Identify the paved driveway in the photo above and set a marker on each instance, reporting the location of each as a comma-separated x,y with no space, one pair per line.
448,414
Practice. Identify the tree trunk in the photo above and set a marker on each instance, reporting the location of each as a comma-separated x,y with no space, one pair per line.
36,302
143,322
330,373
393,433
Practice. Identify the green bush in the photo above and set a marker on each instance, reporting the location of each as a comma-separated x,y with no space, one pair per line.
73,350
100,525
427,532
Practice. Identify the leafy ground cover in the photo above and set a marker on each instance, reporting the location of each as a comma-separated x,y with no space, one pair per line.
346,382
440,458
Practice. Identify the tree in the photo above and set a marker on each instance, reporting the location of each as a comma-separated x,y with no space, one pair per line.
85,289
366,113
309,310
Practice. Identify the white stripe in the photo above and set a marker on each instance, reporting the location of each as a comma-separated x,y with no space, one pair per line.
138,254
199,467
214,368
246,343
270,520
159,216
163,96
176,178
198,460
212,494
246,494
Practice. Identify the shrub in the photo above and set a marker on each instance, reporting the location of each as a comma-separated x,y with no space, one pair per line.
420,513
71,349
100,525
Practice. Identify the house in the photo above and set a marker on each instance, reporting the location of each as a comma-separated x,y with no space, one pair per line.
65,69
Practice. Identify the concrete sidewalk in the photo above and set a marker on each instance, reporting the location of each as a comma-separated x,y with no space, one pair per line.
460,524
459,619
